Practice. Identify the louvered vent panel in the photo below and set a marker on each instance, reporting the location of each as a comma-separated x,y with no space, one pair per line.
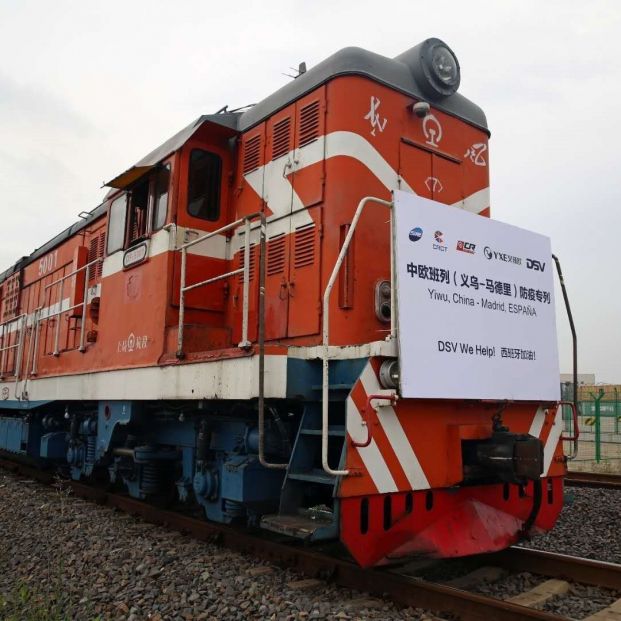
280,139
96,251
309,124
252,154
93,249
100,253
242,262
304,246
11,297
276,255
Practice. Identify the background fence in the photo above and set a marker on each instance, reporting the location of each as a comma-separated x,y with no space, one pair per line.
599,445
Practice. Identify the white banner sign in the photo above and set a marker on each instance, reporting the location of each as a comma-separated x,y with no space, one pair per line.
475,303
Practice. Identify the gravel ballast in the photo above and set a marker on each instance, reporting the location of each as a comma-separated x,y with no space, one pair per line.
102,564
90,562
589,526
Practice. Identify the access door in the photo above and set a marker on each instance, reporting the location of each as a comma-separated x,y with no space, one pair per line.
415,169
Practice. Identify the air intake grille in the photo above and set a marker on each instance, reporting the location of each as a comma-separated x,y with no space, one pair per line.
11,297
281,138
276,255
304,246
96,251
252,154
309,123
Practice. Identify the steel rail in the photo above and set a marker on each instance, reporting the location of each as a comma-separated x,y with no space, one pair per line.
593,479
400,588
554,565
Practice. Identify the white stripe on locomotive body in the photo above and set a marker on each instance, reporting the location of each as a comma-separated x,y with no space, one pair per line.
350,144
345,352
272,183
394,432
212,380
168,239
552,441
553,438
475,203
537,425
371,456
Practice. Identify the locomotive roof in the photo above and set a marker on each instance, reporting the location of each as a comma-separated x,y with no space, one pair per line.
393,72
70,231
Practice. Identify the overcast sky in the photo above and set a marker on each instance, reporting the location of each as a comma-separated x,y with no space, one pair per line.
88,88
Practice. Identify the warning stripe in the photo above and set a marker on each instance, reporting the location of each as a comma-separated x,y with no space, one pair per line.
390,459
552,441
395,433
392,451
552,435
370,455
359,396
537,424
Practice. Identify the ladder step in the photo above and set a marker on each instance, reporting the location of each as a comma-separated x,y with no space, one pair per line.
314,476
335,430
296,525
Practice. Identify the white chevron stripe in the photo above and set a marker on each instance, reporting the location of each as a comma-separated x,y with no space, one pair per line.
394,432
355,146
371,455
271,181
537,424
475,203
552,441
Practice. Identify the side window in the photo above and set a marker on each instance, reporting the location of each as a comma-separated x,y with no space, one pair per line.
160,205
116,224
204,177
138,209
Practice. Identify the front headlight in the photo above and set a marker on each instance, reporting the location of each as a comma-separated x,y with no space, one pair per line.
445,67
435,67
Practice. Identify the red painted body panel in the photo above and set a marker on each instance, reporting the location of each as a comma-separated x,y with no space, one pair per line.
444,523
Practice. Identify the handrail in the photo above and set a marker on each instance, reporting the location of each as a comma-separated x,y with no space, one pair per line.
377,397
573,438
84,303
36,332
17,345
245,342
576,407
245,270
326,329
261,337
33,344
75,271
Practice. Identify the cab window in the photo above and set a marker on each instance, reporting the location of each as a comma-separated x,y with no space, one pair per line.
160,204
204,179
116,224
138,209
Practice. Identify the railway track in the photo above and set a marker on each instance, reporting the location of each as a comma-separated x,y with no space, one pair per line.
593,479
403,585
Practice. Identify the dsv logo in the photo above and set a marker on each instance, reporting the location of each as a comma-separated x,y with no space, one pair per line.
533,264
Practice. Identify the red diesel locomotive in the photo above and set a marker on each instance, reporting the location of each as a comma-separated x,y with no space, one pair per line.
175,338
